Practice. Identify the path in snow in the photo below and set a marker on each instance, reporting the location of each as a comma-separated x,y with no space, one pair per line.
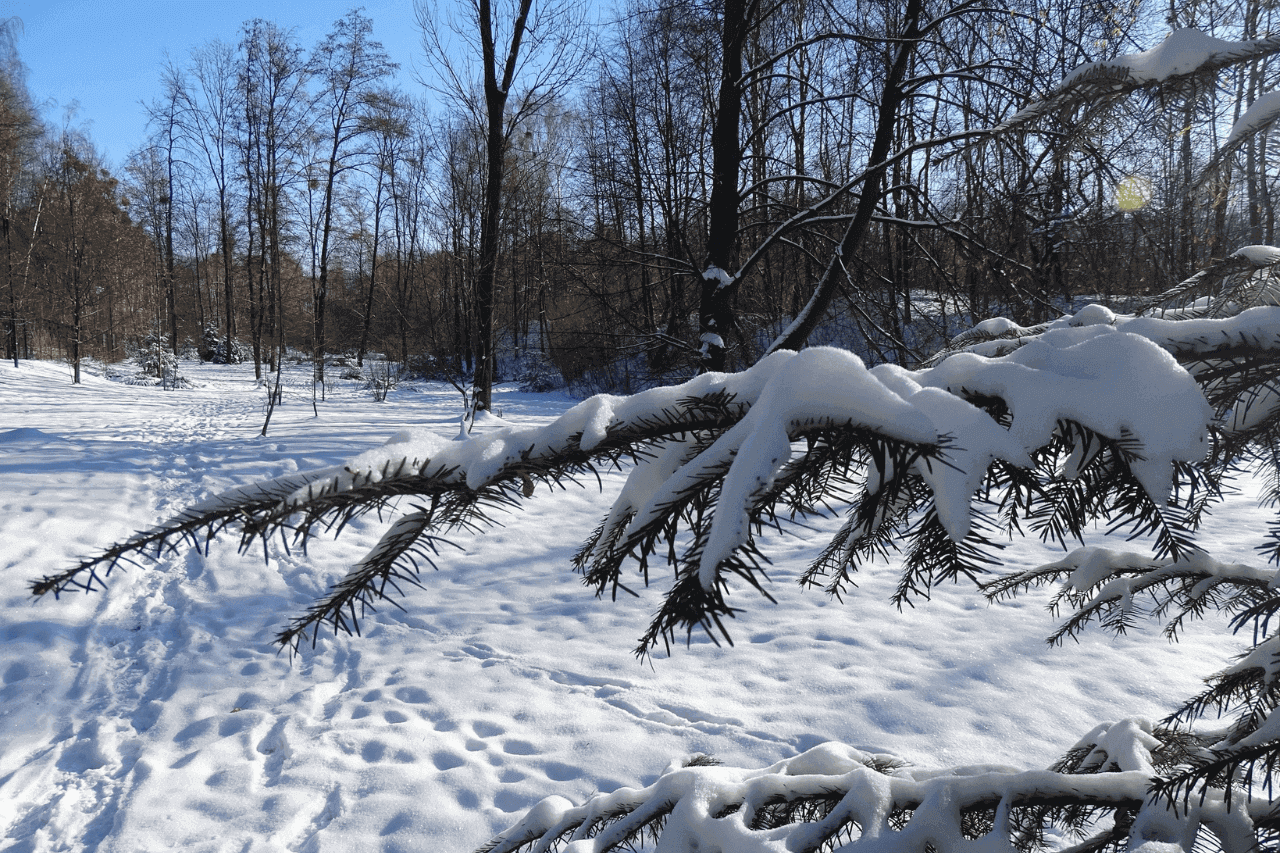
159,715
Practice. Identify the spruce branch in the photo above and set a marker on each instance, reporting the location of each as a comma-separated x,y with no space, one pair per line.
837,796
1097,85
296,507
874,526
934,557
194,527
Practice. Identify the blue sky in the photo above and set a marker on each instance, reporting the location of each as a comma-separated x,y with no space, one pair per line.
107,56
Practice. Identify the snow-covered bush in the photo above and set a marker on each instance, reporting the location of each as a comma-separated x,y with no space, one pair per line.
157,361
157,365
213,347
383,378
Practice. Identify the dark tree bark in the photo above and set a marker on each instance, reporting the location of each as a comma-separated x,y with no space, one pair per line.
495,103
718,285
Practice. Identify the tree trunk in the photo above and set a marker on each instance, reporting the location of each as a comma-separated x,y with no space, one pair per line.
373,271
495,101
718,285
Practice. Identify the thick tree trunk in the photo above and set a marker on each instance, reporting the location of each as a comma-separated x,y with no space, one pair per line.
719,285
495,100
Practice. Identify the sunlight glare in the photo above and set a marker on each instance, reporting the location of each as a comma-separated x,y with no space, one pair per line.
1133,193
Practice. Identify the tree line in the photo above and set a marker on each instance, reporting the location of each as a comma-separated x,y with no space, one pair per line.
682,187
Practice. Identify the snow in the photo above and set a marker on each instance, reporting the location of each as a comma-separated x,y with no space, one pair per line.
819,384
1092,374
159,715
984,440
694,801
1259,256
722,278
997,326
1127,745
1202,336
1260,114
1182,52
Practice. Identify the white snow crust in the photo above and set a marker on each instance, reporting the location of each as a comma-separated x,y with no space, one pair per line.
1260,256
1110,381
722,278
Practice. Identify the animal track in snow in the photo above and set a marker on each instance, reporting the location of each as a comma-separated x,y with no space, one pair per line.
330,811
413,696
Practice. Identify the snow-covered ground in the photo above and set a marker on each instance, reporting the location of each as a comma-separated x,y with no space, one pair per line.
159,715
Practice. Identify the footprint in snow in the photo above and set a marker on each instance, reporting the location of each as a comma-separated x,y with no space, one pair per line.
447,761
484,728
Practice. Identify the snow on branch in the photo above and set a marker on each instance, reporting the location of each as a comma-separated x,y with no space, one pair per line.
1107,586
834,796
1245,278
1128,420
1259,118
1176,66
723,454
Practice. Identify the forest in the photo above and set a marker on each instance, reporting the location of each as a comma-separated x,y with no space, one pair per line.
605,205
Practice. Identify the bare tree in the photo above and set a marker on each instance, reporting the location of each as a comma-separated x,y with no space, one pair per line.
349,66
276,122
211,108
389,125
156,170
84,234
18,131
540,46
